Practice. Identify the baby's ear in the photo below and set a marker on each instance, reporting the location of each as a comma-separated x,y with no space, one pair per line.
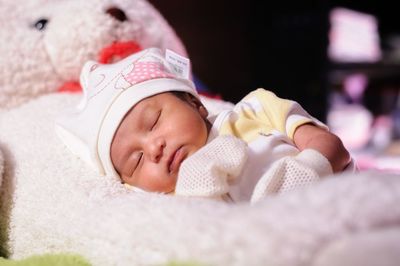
198,105
203,111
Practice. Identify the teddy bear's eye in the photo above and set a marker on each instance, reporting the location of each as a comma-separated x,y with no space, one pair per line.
117,13
41,24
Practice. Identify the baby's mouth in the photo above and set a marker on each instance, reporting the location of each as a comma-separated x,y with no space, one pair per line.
176,159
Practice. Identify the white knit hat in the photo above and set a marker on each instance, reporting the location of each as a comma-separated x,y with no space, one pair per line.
110,91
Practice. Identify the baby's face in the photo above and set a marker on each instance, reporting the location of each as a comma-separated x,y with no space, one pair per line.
154,138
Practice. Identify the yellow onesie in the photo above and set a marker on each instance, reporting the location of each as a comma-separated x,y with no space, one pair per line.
267,124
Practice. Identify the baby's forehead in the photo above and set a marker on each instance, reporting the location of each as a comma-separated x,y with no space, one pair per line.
140,111
148,102
158,99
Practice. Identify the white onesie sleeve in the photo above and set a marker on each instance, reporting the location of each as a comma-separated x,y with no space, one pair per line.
209,171
292,172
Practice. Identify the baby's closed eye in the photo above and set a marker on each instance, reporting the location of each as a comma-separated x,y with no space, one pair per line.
155,119
132,163
138,159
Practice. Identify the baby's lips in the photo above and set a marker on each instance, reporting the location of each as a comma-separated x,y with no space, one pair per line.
117,51
176,159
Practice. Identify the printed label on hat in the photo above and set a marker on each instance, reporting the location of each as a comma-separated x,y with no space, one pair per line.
179,64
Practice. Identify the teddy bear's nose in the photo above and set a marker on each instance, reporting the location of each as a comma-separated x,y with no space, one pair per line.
117,13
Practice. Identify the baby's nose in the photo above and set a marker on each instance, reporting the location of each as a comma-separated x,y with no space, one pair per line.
155,150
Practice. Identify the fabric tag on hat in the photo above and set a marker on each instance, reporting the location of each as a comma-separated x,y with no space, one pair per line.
180,65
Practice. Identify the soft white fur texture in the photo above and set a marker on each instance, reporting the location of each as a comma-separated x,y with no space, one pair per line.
1,167
34,62
52,202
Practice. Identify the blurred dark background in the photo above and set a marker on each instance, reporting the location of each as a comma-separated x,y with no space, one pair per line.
237,46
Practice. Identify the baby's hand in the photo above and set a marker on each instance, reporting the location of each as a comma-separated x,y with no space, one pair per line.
209,171
292,172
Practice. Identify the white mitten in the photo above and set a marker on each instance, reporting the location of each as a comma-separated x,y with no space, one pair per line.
209,171
292,172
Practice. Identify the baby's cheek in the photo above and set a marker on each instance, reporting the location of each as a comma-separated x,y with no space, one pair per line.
158,181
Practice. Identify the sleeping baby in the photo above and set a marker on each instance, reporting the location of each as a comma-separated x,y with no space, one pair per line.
141,120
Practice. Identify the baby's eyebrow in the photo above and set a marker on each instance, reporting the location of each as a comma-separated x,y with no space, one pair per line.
145,117
140,115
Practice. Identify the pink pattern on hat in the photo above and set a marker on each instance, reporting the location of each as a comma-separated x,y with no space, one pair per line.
143,71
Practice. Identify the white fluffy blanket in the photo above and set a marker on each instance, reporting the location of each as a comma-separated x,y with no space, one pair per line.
51,202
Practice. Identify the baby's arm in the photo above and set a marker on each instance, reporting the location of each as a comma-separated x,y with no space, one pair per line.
309,136
210,170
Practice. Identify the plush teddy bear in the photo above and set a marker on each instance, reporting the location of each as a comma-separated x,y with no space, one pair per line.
45,43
